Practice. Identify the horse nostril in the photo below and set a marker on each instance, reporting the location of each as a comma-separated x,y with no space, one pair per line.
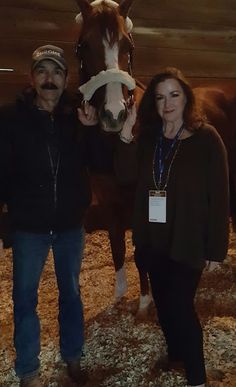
109,123
108,115
122,116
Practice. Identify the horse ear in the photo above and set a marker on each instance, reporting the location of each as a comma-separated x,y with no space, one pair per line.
85,7
124,7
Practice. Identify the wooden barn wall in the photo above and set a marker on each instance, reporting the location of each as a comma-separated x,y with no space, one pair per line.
197,36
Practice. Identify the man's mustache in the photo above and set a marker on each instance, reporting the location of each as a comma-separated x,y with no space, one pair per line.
49,86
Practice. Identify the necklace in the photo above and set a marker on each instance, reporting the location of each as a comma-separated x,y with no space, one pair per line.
160,159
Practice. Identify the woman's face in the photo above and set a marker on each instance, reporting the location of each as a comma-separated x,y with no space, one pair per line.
170,100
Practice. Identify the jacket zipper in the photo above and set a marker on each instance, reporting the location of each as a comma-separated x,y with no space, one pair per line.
54,171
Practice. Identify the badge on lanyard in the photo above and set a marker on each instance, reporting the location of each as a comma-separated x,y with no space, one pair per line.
157,206
157,198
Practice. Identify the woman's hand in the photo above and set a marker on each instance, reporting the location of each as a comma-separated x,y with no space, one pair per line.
211,265
87,115
126,133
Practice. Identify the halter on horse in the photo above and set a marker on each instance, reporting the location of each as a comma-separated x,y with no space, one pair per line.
105,48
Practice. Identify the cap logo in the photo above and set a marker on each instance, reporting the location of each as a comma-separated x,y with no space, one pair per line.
48,52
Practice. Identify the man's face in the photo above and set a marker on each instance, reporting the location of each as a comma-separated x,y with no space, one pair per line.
49,81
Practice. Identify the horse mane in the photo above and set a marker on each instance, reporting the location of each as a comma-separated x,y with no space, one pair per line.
109,22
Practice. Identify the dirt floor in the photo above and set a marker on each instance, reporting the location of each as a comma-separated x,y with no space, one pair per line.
121,350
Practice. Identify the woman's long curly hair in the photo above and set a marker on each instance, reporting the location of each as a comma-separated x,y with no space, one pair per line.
149,120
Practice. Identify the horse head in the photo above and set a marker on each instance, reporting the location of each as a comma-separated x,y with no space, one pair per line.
105,53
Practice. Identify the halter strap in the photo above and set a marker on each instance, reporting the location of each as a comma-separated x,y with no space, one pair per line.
104,77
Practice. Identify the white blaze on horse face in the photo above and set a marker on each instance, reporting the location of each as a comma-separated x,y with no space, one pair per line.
114,97
111,55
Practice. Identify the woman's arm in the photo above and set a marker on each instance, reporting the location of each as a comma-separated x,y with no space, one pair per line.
218,191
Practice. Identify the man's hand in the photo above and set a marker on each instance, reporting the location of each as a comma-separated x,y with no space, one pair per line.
211,265
87,115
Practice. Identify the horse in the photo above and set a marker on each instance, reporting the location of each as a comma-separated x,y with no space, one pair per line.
104,51
218,105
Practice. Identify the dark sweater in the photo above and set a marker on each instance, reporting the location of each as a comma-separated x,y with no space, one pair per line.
32,143
197,201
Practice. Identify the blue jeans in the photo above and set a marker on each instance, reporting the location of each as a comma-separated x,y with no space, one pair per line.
30,251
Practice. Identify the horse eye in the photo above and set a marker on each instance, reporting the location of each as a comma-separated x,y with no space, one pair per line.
83,45
125,45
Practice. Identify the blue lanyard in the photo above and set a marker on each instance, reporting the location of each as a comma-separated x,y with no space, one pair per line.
158,158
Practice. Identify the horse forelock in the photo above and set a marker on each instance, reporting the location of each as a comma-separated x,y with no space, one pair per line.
108,2
108,21
104,17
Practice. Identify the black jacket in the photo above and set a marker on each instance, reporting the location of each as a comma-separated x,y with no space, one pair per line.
43,166
197,208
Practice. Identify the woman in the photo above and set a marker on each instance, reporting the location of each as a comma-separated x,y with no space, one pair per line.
180,212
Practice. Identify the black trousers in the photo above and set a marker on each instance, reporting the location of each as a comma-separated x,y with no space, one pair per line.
174,287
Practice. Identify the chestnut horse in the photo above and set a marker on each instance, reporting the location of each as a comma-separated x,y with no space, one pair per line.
105,54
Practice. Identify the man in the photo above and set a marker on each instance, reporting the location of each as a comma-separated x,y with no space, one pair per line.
47,191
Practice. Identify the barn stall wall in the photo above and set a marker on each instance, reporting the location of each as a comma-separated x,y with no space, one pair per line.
197,36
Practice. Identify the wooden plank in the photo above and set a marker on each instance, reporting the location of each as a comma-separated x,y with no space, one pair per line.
194,63
191,12
48,5
20,23
221,40
181,23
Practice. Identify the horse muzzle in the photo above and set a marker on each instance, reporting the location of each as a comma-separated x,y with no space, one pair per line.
109,123
113,112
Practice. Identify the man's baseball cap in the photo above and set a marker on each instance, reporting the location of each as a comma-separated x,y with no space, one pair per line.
49,52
